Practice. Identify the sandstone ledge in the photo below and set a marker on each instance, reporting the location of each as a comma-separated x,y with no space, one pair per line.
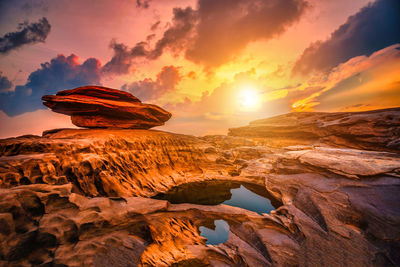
373,130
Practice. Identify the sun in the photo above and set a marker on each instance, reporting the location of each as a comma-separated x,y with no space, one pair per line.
249,99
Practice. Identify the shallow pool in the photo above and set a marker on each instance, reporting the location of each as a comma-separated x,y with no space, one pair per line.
247,196
218,235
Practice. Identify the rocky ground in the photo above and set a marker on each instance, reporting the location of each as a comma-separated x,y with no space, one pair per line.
83,197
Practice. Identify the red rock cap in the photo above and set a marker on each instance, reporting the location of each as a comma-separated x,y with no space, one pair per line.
102,107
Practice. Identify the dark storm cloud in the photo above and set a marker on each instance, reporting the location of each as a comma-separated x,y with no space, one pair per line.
149,89
374,27
5,83
58,74
217,30
26,34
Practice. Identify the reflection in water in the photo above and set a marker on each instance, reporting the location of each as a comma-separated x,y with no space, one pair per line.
246,199
219,235
246,196
204,193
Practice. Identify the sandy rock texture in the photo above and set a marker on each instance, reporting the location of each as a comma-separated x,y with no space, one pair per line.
83,198
105,162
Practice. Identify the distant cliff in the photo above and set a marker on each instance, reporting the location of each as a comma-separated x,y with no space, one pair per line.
374,130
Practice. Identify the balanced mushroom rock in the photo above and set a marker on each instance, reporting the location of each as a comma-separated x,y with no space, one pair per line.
101,107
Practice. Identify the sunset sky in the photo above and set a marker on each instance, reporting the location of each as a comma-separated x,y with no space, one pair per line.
214,64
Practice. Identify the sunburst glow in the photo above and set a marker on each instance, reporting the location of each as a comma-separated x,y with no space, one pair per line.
249,99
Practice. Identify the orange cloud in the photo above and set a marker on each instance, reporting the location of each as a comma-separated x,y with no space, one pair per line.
149,89
371,82
213,33
222,108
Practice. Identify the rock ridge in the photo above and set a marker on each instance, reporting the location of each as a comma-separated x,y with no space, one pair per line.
374,130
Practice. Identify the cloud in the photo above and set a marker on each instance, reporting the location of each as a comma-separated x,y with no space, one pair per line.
173,38
34,6
361,83
214,32
225,27
149,89
374,27
176,37
5,83
26,34
143,3
365,81
155,25
121,61
221,109
58,74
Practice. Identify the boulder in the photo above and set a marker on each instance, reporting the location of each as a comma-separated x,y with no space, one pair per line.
101,107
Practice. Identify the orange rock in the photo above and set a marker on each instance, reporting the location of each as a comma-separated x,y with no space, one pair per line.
101,107
373,130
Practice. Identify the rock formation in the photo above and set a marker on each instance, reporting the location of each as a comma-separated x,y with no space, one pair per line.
376,130
101,107
81,197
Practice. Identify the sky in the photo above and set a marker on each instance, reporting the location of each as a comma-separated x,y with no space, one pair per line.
214,64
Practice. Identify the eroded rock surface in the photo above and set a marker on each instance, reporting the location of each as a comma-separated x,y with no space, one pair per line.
374,130
81,198
105,162
101,107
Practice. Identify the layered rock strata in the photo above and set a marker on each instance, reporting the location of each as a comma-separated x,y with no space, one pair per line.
375,130
101,107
